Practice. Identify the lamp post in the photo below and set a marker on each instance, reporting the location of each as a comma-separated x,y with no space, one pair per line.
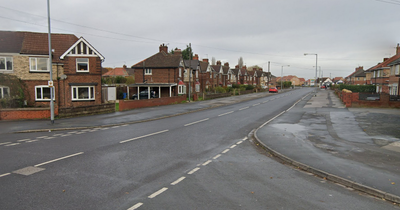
316,65
282,75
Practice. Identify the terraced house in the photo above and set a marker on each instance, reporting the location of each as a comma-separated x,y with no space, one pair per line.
76,67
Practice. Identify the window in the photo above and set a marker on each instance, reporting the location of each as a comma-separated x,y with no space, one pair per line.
147,72
38,64
181,89
82,64
4,92
6,64
42,93
397,69
180,72
83,93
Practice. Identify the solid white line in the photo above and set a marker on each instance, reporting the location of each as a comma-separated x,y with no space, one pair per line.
135,206
244,139
207,162
256,104
8,145
194,170
5,143
233,146
178,180
225,151
197,122
5,174
58,159
243,108
217,156
136,138
158,192
225,114
239,142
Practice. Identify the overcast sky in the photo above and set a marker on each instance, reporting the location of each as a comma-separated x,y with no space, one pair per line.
344,33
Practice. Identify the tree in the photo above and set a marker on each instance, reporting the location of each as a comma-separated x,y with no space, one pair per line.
187,53
240,62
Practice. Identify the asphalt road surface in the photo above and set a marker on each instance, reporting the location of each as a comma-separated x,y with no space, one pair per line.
201,160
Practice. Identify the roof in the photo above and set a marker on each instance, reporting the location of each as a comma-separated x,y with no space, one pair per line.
385,63
161,60
120,71
193,64
35,43
203,66
395,62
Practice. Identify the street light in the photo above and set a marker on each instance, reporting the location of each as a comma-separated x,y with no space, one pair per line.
316,64
282,75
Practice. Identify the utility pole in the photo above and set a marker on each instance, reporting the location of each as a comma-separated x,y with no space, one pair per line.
269,74
190,67
50,67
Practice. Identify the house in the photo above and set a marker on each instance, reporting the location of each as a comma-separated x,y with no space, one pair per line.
358,77
161,72
380,73
191,75
76,68
338,80
394,78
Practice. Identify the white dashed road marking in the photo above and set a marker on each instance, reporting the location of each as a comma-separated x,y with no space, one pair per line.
178,180
136,138
243,108
239,142
225,151
51,161
5,143
225,114
233,146
1,175
158,192
217,156
135,206
8,145
194,170
207,162
197,122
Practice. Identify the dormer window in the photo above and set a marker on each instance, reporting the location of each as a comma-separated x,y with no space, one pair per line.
82,65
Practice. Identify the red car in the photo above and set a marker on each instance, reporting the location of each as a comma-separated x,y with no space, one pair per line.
273,90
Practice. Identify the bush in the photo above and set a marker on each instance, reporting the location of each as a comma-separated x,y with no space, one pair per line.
249,87
357,88
220,90
235,86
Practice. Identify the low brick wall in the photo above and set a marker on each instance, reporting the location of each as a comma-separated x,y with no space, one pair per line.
352,100
26,113
86,110
133,104
216,95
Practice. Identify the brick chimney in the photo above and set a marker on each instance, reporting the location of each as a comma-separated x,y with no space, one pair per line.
124,66
385,59
358,68
218,63
226,64
398,49
205,60
164,48
177,52
196,57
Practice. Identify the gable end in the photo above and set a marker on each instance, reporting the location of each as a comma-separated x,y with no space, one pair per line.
82,48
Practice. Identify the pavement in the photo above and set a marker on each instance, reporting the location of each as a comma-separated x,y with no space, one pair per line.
358,148
355,147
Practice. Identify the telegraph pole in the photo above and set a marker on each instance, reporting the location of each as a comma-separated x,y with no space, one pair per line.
190,67
50,83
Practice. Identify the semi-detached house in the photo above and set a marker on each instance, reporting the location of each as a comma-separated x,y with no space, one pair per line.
76,68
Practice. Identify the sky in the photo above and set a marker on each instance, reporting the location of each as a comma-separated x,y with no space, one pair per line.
344,34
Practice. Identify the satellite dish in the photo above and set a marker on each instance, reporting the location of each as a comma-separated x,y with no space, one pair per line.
63,76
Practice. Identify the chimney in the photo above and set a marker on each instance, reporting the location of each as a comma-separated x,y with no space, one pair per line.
205,60
196,57
124,66
218,63
385,59
244,67
359,68
398,49
164,48
177,52
226,64
237,66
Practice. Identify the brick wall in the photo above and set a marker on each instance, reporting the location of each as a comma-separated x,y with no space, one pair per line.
86,110
352,100
133,104
26,113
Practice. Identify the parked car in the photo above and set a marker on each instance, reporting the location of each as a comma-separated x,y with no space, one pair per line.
145,94
273,90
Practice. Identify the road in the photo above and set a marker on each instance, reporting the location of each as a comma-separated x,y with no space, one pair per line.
200,160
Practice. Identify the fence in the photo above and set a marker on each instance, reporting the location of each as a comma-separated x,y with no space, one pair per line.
394,97
369,97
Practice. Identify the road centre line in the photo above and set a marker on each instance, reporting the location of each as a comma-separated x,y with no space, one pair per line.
197,122
31,141
61,158
244,139
6,174
9,145
41,137
225,114
194,170
158,192
136,138
207,162
233,146
5,143
22,140
243,108
178,180
256,104
225,151
217,156
239,142
135,206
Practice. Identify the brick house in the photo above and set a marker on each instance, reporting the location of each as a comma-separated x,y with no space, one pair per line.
358,77
206,75
162,73
76,68
394,78
222,73
192,66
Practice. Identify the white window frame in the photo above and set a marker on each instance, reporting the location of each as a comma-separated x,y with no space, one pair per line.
181,89
36,62
397,69
180,72
82,62
2,95
148,72
41,93
75,96
5,64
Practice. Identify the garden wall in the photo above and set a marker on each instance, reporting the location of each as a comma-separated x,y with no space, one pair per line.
133,104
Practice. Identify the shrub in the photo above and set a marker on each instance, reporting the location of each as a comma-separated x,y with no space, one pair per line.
249,87
220,90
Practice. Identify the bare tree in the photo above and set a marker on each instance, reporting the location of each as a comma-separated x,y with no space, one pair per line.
240,62
213,61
